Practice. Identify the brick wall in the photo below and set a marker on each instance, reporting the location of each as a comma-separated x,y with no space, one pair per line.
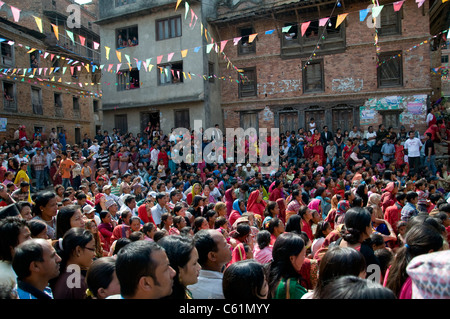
348,76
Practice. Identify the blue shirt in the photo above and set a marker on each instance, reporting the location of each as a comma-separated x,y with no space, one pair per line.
388,149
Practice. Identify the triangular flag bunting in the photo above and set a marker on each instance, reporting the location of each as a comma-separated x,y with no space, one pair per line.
376,11
118,67
419,3
109,67
38,23
70,34
305,27
96,45
184,53
398,5
170,56
128,58
223,44
82,40
323,21
236,40
270,31
340,19
159,59
150,67
16,13
286,29
107,52
178,3
55,30
209,47
64,69
363,14
252,37
119,55
186,5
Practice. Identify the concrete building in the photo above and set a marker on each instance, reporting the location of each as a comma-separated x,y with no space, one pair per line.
165,93
46,93
330,73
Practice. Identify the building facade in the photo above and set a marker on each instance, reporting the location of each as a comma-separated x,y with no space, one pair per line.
48,82
332,73
141,82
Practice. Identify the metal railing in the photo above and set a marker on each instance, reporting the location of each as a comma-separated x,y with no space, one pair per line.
9,105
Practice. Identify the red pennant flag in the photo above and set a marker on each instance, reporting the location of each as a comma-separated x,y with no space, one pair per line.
305,27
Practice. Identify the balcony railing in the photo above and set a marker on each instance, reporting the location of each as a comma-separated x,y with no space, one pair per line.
9,105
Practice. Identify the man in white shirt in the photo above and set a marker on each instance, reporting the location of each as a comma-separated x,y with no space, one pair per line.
154,156
213,254
94,148
413,145
160,207
354,133
371,136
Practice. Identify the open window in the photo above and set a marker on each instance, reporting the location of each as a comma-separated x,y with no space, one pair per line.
9,97
36,101
245,46
390,71
34,59
127,37
7,52
170,73
313,77
128,80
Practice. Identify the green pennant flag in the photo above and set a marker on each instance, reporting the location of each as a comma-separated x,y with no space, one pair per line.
70,34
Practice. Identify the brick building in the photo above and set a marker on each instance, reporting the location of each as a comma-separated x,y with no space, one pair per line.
56,99
330,73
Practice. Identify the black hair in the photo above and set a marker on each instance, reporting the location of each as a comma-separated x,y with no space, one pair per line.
352,287
204,243
73,238
36,227
244,280
133,262
294,224
100,274
24,255
356,221
10,228
63,217
42,199
178,250
120,243
263,239
286,245
336,262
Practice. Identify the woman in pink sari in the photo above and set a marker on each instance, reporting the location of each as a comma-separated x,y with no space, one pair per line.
123,160
255,203
114,160
230,196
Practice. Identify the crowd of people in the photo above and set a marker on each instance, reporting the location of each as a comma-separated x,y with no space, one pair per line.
363,216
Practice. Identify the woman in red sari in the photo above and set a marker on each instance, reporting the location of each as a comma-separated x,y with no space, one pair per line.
282,206
399,154
308,145
256,204
318,153
277,191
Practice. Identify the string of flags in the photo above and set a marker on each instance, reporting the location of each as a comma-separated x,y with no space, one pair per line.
218,47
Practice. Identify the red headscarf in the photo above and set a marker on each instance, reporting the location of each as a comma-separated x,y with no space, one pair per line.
98,197
253,206
229,200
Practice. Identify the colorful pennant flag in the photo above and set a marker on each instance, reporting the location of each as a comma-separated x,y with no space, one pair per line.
38,23
178,3
376,11
96,45
55,30
323,21
236,40
398,5
270,31
170,56
70,34
252,37
107,52
223,44
305,27
184,53
286,29
16,13
209,47
159,59
363,14
340,19
82,39
119,55
419,3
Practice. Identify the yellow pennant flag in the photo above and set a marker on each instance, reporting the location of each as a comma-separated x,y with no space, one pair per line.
107,52
252,37
150,67
87,66
38,22
119,55
178,3
340,19
184,53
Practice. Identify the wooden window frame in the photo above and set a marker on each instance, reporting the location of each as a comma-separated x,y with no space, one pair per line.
171,64
397,24
390,57
169,19
250,48
247,93
305,79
